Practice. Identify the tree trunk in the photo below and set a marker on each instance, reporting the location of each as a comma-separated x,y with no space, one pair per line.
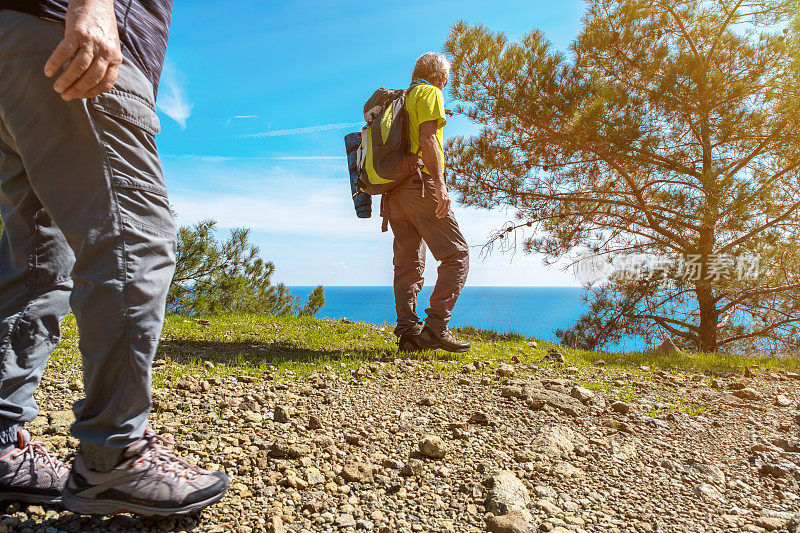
708,318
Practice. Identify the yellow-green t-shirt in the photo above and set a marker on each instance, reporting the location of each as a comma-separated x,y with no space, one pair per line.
425,103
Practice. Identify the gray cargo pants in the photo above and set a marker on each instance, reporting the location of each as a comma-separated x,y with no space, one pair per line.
87,226
414,224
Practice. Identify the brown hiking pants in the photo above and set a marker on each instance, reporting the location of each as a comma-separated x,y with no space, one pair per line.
413,221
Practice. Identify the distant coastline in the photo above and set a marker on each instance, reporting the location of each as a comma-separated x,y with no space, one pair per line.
529,311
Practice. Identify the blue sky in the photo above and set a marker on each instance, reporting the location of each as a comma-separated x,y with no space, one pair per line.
254,102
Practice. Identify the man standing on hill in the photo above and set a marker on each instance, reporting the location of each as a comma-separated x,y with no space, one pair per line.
87,226
419,213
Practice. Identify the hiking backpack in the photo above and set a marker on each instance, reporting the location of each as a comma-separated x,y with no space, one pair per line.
383,158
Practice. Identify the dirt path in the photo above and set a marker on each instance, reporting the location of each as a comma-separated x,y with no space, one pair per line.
511,447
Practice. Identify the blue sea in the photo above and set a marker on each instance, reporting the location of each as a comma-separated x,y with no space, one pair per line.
529,311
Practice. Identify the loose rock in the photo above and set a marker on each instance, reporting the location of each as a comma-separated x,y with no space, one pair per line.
508,523
508,495
433,447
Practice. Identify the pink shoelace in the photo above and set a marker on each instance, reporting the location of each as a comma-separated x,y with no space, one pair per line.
157,451
39,452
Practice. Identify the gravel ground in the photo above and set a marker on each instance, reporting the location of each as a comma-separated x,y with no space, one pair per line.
397,445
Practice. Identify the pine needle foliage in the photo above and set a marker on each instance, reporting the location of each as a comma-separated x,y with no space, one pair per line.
213,277
669,130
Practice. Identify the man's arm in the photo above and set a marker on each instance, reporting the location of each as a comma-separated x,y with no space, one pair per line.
91,46
432,157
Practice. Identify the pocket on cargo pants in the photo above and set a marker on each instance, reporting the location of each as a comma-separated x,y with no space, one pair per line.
127,124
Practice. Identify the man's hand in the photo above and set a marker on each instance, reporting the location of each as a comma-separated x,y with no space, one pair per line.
91,46
443,206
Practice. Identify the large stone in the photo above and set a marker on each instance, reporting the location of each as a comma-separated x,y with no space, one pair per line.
582,394
791,446
524,456
620,407
548,507
556,440
252,417
281,415
427,401
480,418
433,447
345,520
779,468
709,493
60,421
314,476
567,470
783,401
748,394
507,495
413,467
538,397
279,449
357,472
513,391
508,523
506,371
771,523
296,451
709,472
276,525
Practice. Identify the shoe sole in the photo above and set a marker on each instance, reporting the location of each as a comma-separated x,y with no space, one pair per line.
29,498
459,350
436,345
410,348
91,506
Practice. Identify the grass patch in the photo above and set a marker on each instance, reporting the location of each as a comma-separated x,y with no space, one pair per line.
683,405
292,347
688,361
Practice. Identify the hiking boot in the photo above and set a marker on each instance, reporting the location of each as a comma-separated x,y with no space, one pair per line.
31,473
442,339
150,481
410,342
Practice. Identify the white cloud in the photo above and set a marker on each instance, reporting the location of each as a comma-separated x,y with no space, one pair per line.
239,117
325,213
172,99
303,219
279,210
303,131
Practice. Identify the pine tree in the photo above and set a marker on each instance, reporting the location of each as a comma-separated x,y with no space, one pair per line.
315,302
671,130
213,277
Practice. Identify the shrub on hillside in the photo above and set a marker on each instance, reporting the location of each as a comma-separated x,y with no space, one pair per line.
213,277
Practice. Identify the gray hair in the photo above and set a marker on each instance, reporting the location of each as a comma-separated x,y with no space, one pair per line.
432,67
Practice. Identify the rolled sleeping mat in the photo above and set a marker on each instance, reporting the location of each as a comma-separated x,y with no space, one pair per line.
361,200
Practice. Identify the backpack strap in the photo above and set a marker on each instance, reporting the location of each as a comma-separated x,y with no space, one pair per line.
384,212
415,83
